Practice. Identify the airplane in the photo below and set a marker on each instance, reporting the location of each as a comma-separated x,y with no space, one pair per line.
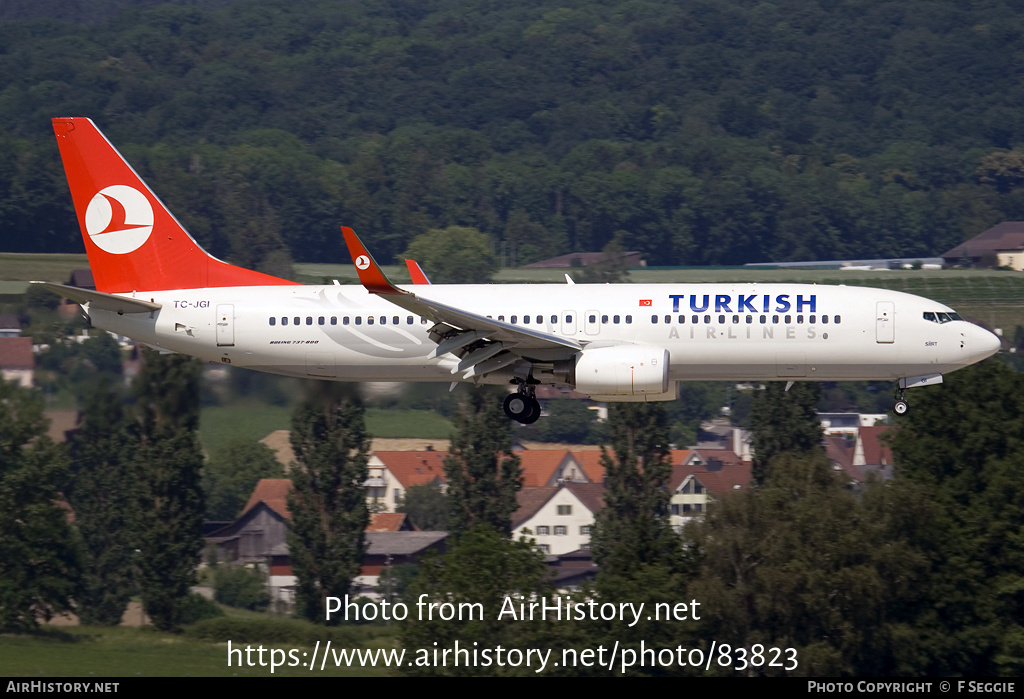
612,342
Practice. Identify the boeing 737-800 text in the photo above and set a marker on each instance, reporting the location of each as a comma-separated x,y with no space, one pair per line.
613,342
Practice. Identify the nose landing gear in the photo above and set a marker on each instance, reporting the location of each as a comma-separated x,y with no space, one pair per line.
522,406
901,406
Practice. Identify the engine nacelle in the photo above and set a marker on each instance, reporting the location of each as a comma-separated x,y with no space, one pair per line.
622,370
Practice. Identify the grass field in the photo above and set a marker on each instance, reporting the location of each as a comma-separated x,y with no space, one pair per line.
84,651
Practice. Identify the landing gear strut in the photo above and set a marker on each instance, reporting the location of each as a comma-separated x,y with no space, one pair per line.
522,406
900,407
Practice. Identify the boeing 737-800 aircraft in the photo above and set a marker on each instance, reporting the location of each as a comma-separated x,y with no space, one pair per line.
613,342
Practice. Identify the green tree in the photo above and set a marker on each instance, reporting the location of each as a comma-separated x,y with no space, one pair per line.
482,472
784,422
328,500
636,550
102,494
427,507
481,570
170,497
39,558
232,472
796,564
454,255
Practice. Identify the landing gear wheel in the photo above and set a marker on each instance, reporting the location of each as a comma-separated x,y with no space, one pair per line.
522,408
901,407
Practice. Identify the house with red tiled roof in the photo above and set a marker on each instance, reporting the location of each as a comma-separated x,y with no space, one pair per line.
259,536
559,518
389,522
549,467
17,362
702,476
394,472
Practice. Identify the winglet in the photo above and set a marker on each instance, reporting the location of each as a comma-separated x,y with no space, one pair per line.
416,272
370,274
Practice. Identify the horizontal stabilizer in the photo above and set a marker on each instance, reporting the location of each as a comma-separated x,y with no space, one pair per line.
100,300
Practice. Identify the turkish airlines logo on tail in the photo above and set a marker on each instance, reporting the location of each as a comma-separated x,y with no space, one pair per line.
362,262
119,219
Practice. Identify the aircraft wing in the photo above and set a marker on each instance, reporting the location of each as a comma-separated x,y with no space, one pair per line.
496,331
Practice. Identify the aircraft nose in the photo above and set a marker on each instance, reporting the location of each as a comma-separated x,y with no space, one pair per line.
980,343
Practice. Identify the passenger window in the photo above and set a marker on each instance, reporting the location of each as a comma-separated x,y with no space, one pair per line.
750,319
513,319
297,320
320,320
735,319
592,319
540,320
408,320
800,319
707,319
764,319
568,319
682,320
824,319
334,320
284,320
629,320
775,319
604,319
501,318
273,321
554,320
654,320
615,320
812,319
789,319
359,320
668,319
309,320
369,320
695,319
526,320
721,320
837,320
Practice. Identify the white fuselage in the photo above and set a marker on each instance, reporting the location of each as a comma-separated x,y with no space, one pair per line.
711,331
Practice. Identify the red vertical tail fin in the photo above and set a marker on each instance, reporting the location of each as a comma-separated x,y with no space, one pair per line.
134,243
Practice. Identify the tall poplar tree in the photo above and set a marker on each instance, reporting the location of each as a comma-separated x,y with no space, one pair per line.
326,539
170,499
482,472
102,494
784,421
38,555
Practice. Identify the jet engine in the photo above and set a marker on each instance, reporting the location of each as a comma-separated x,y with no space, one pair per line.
623,372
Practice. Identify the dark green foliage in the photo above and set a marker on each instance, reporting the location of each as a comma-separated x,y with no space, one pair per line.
963,444
170,498
695,133
482,473
633,528
798,564
39,557
103,494
241,587
194,608
784,422
232,472
568,421
454,255
427,507
276,630
482,567
327,501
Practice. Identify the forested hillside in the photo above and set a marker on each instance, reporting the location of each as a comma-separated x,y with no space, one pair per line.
710,131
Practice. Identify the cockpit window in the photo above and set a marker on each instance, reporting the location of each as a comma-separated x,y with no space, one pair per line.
937,317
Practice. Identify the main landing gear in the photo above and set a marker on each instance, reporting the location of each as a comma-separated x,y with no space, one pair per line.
522,406
900,407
